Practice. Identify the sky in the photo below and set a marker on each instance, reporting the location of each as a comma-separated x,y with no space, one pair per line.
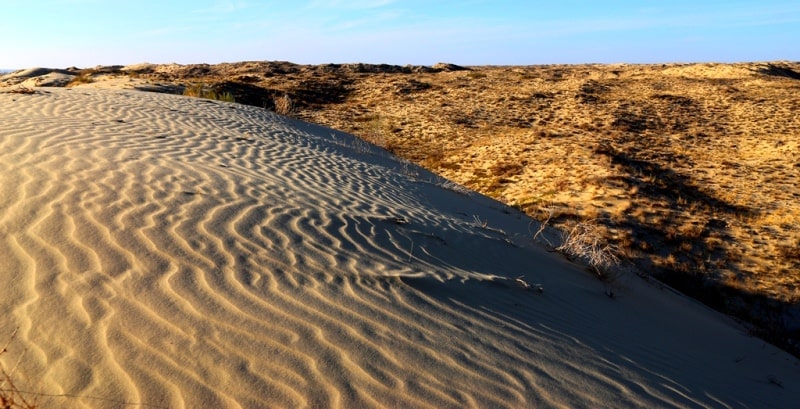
87,33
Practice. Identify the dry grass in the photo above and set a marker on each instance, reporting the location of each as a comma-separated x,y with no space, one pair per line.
689,173
10,396
21,89
84,77
198,90
585,241
284,105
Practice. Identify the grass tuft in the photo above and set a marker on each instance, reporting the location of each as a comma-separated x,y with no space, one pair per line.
202,91
83,78
284,105
584,241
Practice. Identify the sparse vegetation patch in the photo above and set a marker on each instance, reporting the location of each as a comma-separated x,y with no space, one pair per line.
199,90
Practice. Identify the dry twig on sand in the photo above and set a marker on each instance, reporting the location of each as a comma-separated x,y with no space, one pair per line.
10,396
22,90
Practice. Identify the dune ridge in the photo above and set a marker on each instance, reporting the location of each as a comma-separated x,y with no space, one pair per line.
164,251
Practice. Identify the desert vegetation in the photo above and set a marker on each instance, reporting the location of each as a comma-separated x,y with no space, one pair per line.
200,90
284,105
85,77
689,172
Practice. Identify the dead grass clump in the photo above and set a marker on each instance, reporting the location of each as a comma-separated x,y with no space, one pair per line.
202,91
22,90
284,105
10,395
584,241
82,78
376,131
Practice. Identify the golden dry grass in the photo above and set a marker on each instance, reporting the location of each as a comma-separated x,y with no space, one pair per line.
695,161
85,77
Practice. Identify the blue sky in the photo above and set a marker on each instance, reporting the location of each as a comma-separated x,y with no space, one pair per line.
85,33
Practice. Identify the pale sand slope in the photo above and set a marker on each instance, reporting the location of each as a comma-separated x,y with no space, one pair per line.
163,251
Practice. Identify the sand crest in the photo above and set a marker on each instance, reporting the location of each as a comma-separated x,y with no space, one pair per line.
165,251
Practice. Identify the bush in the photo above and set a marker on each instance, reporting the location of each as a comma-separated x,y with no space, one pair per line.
202,91
83,78
284,105
584,241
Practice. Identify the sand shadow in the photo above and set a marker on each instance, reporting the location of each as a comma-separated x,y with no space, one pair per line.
702,254
774,70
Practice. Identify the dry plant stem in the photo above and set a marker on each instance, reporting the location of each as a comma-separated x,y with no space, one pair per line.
22,90
527,286
10,396
584,241
542,227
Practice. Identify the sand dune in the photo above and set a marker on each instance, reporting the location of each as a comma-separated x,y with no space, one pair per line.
164,251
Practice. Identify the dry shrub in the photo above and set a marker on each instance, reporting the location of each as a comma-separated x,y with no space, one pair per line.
584,241
194,90
284,105
376,130
202,91
82,78
22,90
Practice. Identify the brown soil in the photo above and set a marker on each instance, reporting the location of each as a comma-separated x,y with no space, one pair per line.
692,171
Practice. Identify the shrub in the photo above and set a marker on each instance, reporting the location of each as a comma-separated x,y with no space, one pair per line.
83,78
476,75
584,241
202,91
284,105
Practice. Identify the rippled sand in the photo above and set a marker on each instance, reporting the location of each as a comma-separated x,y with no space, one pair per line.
164,251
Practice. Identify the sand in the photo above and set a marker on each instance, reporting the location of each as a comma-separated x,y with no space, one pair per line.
165,251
